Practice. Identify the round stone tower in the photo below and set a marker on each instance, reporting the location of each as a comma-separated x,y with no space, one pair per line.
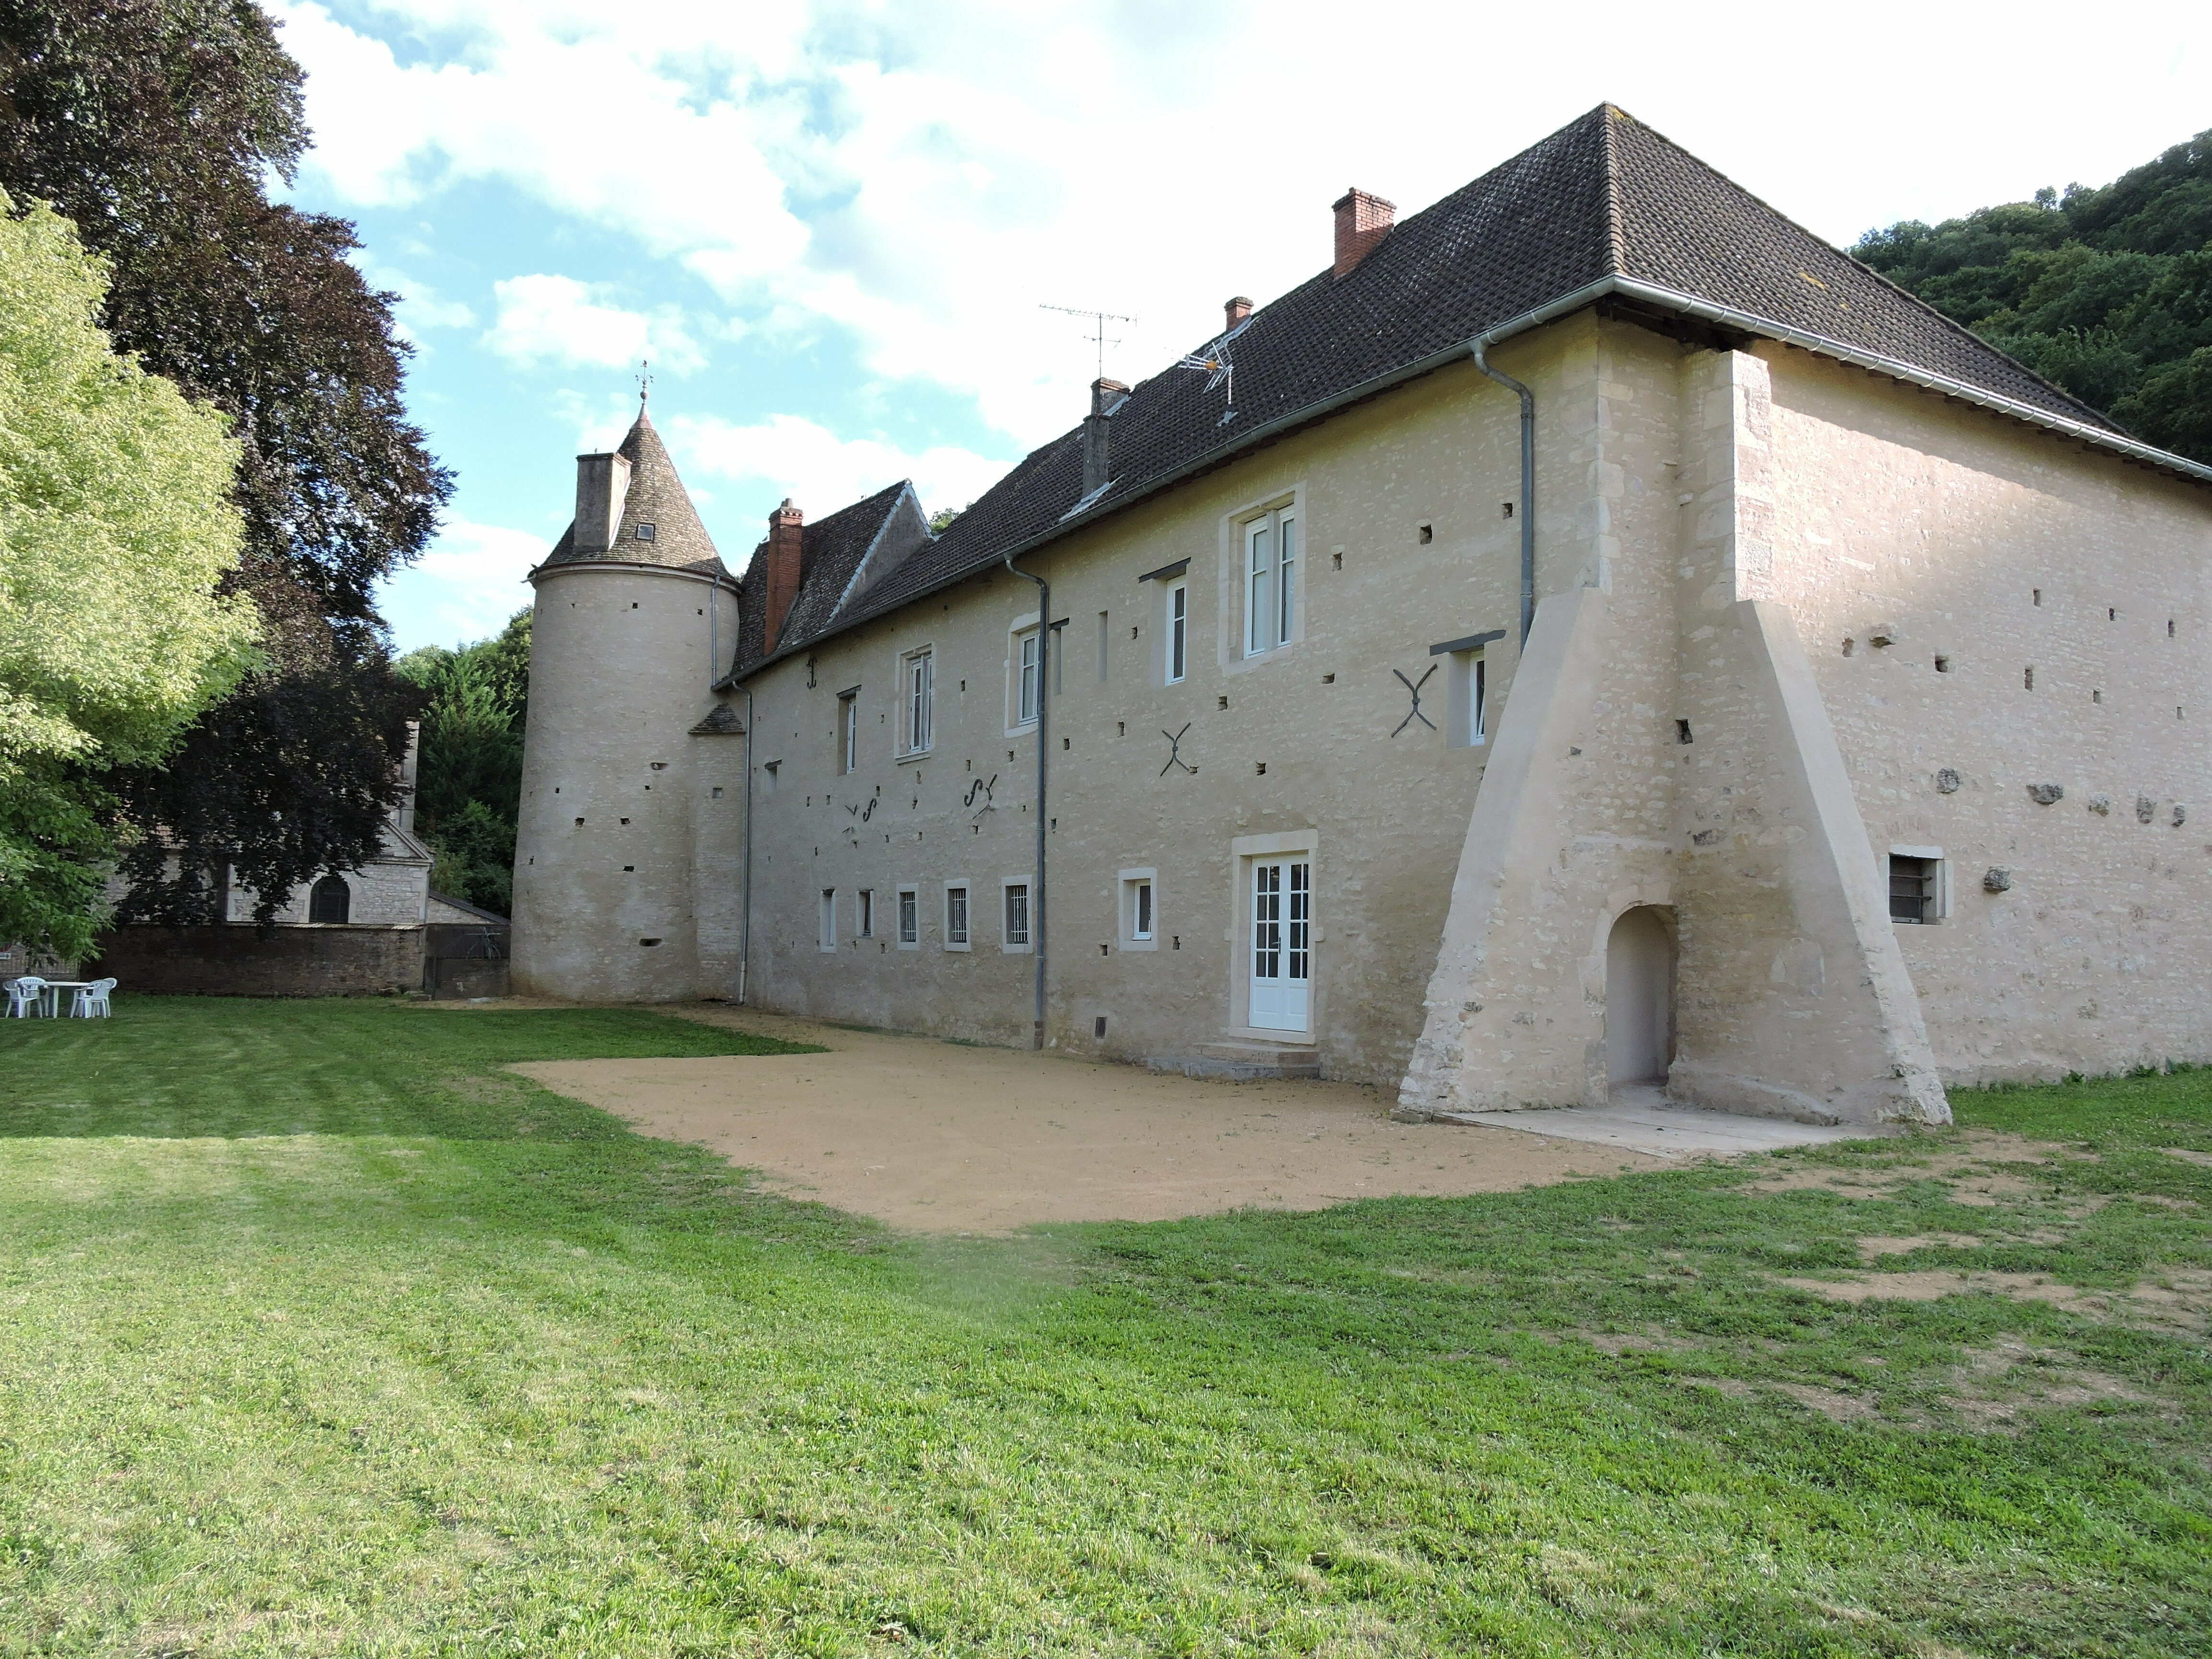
634,622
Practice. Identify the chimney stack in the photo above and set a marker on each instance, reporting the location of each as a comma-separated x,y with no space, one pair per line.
1362,220
602,485
1234,312
1106,397
785,568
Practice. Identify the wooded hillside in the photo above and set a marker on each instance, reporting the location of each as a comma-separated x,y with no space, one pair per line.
2105,292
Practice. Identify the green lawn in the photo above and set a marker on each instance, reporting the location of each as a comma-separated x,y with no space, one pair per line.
323,1334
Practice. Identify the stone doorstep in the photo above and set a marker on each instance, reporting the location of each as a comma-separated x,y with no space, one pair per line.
1243,1062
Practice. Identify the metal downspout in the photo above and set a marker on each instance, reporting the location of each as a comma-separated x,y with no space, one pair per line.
745,912
1036,899
1481,348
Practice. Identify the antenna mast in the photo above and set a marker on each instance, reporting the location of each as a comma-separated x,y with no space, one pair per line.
1102,318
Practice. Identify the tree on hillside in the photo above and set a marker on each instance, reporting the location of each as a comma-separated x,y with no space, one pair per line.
468,788
2106,292
116,530
154,123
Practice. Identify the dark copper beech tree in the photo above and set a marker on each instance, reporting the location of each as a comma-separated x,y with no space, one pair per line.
156,126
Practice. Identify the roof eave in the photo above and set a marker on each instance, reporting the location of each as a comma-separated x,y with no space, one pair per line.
1590,294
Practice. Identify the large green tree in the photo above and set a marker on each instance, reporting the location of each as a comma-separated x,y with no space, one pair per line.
117,528
155,124
2106,292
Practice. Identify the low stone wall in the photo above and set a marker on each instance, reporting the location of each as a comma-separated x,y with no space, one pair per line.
233,960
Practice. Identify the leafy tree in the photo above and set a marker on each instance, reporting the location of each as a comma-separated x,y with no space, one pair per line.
153,124
116,528
469,771
2105,292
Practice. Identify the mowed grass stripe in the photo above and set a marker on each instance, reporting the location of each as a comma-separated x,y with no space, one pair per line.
327,1335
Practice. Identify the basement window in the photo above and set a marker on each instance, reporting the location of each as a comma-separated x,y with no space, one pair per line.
1919,892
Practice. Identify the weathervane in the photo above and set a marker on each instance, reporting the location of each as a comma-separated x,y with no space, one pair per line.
644,379
1102,318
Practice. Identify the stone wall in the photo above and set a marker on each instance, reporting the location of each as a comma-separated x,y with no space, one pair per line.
240,961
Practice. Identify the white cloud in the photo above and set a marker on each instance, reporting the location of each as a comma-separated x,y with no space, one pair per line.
821,471
920,177
465,586
545,319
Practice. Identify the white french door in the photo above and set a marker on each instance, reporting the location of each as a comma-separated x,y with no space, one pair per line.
1282,945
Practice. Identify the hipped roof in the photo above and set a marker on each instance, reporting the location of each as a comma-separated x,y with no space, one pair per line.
1604,209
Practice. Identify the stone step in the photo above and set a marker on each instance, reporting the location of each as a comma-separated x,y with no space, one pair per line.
1243,1062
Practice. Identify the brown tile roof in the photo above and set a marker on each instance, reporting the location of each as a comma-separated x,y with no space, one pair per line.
840,558
1604,203
656,497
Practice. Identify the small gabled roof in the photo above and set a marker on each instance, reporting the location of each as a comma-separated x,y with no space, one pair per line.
656,497
1605,209
839,555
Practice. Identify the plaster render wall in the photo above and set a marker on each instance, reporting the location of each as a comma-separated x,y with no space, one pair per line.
1383,817
1895,507
394,894
607,834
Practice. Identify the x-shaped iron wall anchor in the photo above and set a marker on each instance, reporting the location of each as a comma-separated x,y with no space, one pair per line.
1414,686
1175,750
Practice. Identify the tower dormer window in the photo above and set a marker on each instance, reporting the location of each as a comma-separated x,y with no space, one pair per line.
646,533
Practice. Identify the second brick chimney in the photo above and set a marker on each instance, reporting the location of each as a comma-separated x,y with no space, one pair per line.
1106,397
1362,220
1234,312
784,568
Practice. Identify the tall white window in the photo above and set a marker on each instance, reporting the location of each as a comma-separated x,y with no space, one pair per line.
921,679
827,921
864,912
1139,923
956,918
1271,579
1467,689
848,730
1016,935
1178,631
1140,906
909,917
1028,683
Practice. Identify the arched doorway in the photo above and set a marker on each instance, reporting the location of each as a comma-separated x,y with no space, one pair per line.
1639,996
330,900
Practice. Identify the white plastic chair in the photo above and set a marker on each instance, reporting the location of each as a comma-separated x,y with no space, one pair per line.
23,996
90,1002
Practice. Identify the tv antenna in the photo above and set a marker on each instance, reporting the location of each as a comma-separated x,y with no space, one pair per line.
1102,318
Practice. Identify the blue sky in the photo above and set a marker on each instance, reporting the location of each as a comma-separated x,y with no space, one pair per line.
832,226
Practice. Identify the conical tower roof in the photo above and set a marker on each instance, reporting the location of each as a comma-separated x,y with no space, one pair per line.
656,502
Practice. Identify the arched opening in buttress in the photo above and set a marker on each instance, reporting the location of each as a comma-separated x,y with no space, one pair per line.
1639,996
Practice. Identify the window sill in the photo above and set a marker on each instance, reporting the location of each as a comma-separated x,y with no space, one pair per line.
1139,944
913,754
963,949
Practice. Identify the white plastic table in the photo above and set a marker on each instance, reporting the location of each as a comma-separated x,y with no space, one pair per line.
50,999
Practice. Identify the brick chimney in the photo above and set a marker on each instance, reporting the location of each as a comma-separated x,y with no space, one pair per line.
1362,220
1234,312
602,483
1106,397
784,570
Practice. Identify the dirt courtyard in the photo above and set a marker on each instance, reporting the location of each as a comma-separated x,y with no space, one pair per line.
940,1137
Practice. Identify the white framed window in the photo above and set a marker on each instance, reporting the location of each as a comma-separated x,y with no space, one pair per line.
864,912
1139,910
1178,630
1026,664
917,696
848,730
826,921
1014,914
1919,885
955,915
909,917
1467,687
1271,579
